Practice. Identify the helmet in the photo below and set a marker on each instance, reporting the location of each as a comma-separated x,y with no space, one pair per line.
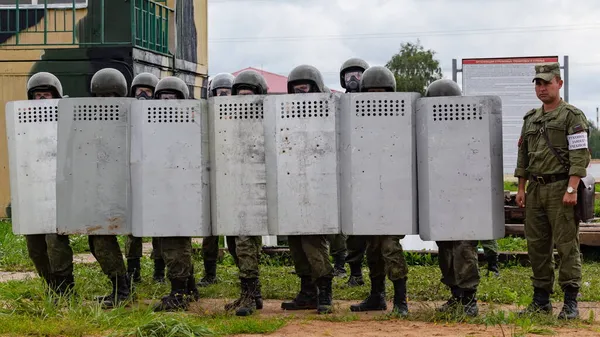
108,81
221,80
378,77
358,64
305,73
443,87
252,79
172,83
143,80
44,81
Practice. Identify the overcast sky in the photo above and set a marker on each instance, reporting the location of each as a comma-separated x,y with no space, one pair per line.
277,35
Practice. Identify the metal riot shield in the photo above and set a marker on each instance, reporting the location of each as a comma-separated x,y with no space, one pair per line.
169,168
378,164
92,181
301,145
31,128
459,154
238,174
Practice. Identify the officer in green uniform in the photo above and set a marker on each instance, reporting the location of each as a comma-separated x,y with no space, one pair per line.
109,82
219,86
176,250
350,75
384,252
552,190
310,252
51,254
142,87
490,251
246,249
458,259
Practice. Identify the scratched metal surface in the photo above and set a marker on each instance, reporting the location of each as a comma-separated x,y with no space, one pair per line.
93,184
31,128
459,160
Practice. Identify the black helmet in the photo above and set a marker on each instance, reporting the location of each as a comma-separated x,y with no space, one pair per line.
251,79
352,64
143,80
306,73
172,83
46,82
109,81
443,87
378,77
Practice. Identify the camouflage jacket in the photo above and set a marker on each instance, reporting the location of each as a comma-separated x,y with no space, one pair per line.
534,155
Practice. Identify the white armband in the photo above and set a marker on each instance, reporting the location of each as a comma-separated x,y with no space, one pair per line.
578,141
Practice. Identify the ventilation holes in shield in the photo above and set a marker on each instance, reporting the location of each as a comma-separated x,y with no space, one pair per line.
305,109
251,111
96,113
170,114
456,112
379,108
37,114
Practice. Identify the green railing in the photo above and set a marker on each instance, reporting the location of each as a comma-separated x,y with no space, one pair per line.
142,23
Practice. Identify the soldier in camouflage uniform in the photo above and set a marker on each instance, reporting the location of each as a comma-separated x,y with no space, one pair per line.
350,75
142,87
220,85
552,190
310,252
384,252
109,82
490,251
51,254
246,249
177,250
458,259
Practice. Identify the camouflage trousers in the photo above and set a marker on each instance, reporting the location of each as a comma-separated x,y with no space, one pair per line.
51,254
549,223
357,246
133,248
246,254
310,254
490,247
177,254
210,249
459,264
107,252
337,244
385,257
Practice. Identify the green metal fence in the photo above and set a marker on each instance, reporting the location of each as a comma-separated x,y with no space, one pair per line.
51,25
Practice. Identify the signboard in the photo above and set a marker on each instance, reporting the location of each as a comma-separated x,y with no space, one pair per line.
509,78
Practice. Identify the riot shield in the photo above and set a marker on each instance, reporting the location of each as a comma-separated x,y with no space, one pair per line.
31,128
378,164
169,168
459,154
238,174
301,143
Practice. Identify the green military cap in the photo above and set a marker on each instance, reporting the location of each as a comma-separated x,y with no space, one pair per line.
547,71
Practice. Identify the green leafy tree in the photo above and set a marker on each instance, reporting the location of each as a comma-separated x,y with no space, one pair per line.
414,67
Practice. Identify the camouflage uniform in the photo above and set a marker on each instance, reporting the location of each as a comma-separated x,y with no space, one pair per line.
550,223
458,259
310,253
177,251
51,254
210,254
490,251
337,249
384,252
246,249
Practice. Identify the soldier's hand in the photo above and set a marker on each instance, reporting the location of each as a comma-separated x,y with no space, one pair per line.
570,199
520,199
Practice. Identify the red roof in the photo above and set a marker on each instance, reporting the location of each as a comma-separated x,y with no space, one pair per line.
276,83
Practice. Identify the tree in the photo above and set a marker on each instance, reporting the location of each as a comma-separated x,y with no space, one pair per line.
594,140
414,68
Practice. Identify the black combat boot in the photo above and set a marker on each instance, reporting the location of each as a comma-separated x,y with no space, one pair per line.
192,290
178,299
376,299
339,265
325,305
306,298
133,270
453,302
539,304
235,304
247,305
159,271
492,265
569,309
258,295
121,292
65,285
400,305
356,278
469,302
210,274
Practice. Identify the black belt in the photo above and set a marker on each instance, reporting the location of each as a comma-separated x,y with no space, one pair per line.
544,179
